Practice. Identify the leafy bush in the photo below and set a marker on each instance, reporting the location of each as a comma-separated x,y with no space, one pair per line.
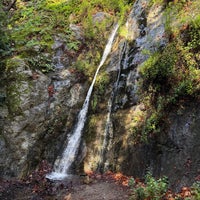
195,191
40,62
4,45
170,76
152,189
151,125
158,69
4,39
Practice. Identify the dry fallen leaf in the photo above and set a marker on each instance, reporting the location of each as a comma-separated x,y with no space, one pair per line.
68,197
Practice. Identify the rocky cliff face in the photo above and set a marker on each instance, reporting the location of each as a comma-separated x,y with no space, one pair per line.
145,33
38,111
36,114
39,107
174,151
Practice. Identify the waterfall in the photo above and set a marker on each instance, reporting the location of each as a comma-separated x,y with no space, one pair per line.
108,133
62,165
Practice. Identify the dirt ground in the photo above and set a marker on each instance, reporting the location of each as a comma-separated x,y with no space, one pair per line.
79,188
98,191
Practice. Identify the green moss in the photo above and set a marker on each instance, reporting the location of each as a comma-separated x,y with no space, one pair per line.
5,47
35,24
13,99
15,78
41,62
102,82
14,63
90,130
4,39
98,98
87,64
94,102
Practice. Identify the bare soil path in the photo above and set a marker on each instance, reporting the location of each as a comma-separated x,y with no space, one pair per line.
79,188
100,190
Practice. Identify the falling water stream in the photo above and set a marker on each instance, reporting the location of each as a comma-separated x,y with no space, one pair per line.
63,165
108,133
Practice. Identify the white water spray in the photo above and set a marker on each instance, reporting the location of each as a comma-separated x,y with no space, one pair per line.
62,166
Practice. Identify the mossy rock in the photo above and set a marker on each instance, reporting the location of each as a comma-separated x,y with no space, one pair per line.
15,78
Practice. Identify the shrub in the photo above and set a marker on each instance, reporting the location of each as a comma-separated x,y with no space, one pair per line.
152,189
170,76
40,62
4,39
195,191
158,69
